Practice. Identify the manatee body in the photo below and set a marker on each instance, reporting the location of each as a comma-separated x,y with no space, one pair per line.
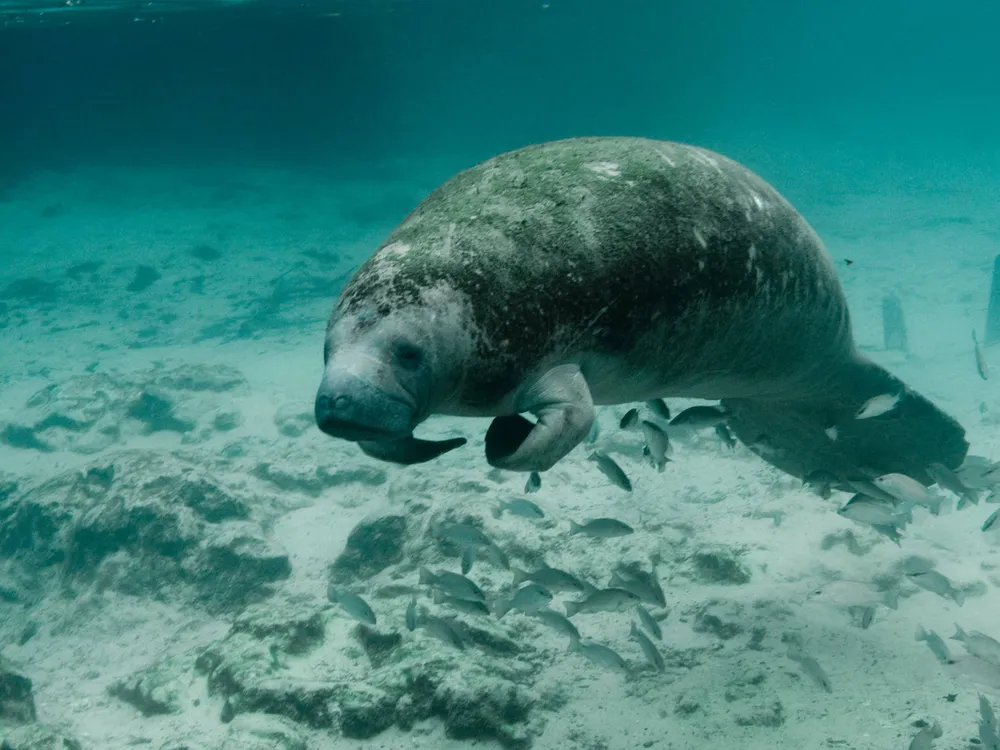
594,271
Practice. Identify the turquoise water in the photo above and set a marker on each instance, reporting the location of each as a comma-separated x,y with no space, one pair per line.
185,188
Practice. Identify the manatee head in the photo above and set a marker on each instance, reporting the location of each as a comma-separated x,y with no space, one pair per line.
389,367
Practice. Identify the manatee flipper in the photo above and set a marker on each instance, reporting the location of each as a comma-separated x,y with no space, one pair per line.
409,450
561,401
801,437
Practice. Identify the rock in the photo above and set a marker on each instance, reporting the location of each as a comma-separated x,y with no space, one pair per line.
17,702
719,565
144,524
39,737
719,619
263,732
292,420
373,545
291,626
201,378
365,711
487,709
160,688
156,412
295,476
761,714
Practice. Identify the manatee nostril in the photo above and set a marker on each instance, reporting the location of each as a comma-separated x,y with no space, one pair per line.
339,403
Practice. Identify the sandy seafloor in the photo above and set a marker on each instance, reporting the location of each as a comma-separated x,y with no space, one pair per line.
285,242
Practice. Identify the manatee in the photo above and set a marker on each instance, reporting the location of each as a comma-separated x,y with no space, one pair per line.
596,271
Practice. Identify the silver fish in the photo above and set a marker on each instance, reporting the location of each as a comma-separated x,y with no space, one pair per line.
602,600
557,622
657,442
611,470
854,594
521,507
991,521
645,586
722,430
653,656
648,622
468,558
411,615
924,739
600,655
602,528
981,366
534,483
879,405
812,668
442,630
452,584
468,606
979,645
935,643
872,512
907,489
867,617
630,420
528,598
949,480
551,578
352,604
931,580
699,417
659,407
988,735
595,432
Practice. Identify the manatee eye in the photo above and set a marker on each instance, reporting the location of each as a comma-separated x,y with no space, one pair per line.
409,356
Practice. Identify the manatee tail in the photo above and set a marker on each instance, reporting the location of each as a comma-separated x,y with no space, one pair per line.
821,433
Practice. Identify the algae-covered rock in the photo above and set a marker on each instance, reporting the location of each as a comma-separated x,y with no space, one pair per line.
263,732
373,545
160,688
17,702
291,626
39,737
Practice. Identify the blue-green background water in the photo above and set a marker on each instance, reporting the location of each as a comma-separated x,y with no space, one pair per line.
340,85
189,188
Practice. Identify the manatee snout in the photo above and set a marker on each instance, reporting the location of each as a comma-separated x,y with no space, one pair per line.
353,408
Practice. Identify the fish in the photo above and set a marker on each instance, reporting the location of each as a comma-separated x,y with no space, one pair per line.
595,432
659,408
559,623
648,622
657,442
979,645
600,655
865,487
981,367
352,604
643,585
867,617
602,528
468,606
872,512
602,600
469,537
935,643
907,489
553,579
924,739
533,484
630,420
931,580
411,615
722,430
452,584
844,593
653,656
700,417
991,521
832,432
947,479
988,735
521,507
442,630
891,532
879,405
529,598
811,668
611,470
